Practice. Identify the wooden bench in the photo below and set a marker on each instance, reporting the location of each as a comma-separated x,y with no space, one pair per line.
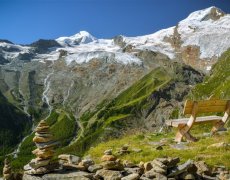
194,108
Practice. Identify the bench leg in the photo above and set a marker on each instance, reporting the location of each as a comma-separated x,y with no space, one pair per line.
217,126
183,131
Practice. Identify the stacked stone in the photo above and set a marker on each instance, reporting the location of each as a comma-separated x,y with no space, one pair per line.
112,167
110,162
7,174
68,160
44,152
124,150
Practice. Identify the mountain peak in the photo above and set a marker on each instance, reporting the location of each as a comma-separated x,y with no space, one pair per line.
212,12
83,37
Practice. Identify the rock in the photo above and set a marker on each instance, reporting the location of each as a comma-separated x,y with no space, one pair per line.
180,169
108,158
94,168
135,170
163,160
86,163
112,165
62,176
141,165
144,178
71,159
123,150
223,176
202,168
187,176
125,147
48,135
80,167
40,139
180,146
36,163
219,168
219,145
38,171
42,130
158,164
159,148
44,153
206,177
159,170
47,145
129,164
109,175
150,174
131,177
161,177
147,166
192,169
156,143
108,152
7,174
137,150
172,162
17,176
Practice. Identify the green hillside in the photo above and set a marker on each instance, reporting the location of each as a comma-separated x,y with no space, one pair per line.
114,113
14,125
218,83
132,106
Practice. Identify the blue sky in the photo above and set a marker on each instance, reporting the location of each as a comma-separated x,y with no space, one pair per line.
25,21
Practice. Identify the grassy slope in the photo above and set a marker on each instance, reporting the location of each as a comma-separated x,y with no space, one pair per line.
127,104
217,84
196,151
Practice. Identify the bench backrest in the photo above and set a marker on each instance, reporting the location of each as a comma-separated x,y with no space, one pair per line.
206,106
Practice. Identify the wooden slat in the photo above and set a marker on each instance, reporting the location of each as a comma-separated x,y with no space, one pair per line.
204,119
206,106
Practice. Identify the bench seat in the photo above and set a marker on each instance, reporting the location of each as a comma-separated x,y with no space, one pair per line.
204,119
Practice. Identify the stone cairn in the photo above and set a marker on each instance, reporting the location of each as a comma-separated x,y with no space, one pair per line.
123,150
7,174
44,152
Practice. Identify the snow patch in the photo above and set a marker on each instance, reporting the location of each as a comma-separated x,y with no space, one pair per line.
154,42
100,49
208,68
13,54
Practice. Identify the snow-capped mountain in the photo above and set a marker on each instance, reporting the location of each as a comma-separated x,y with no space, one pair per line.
203,35
83,37
107,66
